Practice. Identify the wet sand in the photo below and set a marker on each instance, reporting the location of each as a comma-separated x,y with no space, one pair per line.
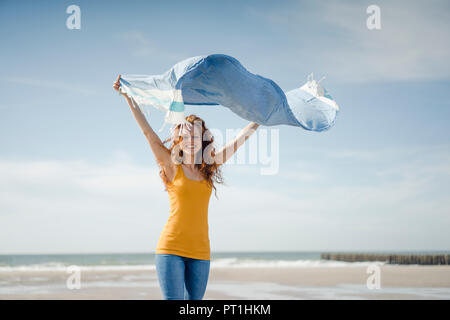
396,282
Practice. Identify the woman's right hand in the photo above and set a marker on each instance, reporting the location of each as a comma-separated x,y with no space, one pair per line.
116,86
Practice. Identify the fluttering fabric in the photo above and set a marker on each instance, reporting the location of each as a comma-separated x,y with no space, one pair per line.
219,79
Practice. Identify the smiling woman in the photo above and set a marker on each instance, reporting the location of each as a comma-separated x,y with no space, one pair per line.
183,251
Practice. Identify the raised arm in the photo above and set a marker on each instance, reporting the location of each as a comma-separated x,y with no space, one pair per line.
231,147
162,154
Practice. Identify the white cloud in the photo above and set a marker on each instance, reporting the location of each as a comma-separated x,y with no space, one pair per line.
142,45
119,206
401,207
48,84
73,206
332,38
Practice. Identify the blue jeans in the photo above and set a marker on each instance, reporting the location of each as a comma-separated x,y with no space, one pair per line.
182,278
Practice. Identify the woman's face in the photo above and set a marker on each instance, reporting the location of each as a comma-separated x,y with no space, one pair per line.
192,140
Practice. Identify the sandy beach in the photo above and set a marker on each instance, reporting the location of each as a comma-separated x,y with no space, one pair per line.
349,282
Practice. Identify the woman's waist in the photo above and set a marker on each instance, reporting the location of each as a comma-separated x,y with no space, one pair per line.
188,218
187,224
189,208
185,237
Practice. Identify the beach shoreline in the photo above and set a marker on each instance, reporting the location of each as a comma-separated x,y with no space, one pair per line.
348,282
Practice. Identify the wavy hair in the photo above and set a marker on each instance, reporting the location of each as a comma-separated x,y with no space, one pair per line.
210,172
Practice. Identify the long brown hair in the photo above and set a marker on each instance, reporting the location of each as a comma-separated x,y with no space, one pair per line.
210,172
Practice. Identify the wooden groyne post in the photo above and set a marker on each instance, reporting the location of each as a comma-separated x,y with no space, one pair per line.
425,259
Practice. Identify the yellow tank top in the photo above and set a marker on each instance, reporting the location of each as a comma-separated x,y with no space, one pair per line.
186,231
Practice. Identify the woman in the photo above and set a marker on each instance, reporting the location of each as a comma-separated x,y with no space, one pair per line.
183,251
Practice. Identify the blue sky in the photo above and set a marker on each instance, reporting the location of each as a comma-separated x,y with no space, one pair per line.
77,175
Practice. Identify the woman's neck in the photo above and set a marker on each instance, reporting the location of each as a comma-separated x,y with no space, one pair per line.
190,166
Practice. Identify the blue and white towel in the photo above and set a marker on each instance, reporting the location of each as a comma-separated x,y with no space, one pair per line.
219,79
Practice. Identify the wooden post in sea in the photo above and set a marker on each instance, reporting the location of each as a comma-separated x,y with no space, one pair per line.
423,259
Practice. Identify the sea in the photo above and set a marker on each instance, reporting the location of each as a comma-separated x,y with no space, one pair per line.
146,261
